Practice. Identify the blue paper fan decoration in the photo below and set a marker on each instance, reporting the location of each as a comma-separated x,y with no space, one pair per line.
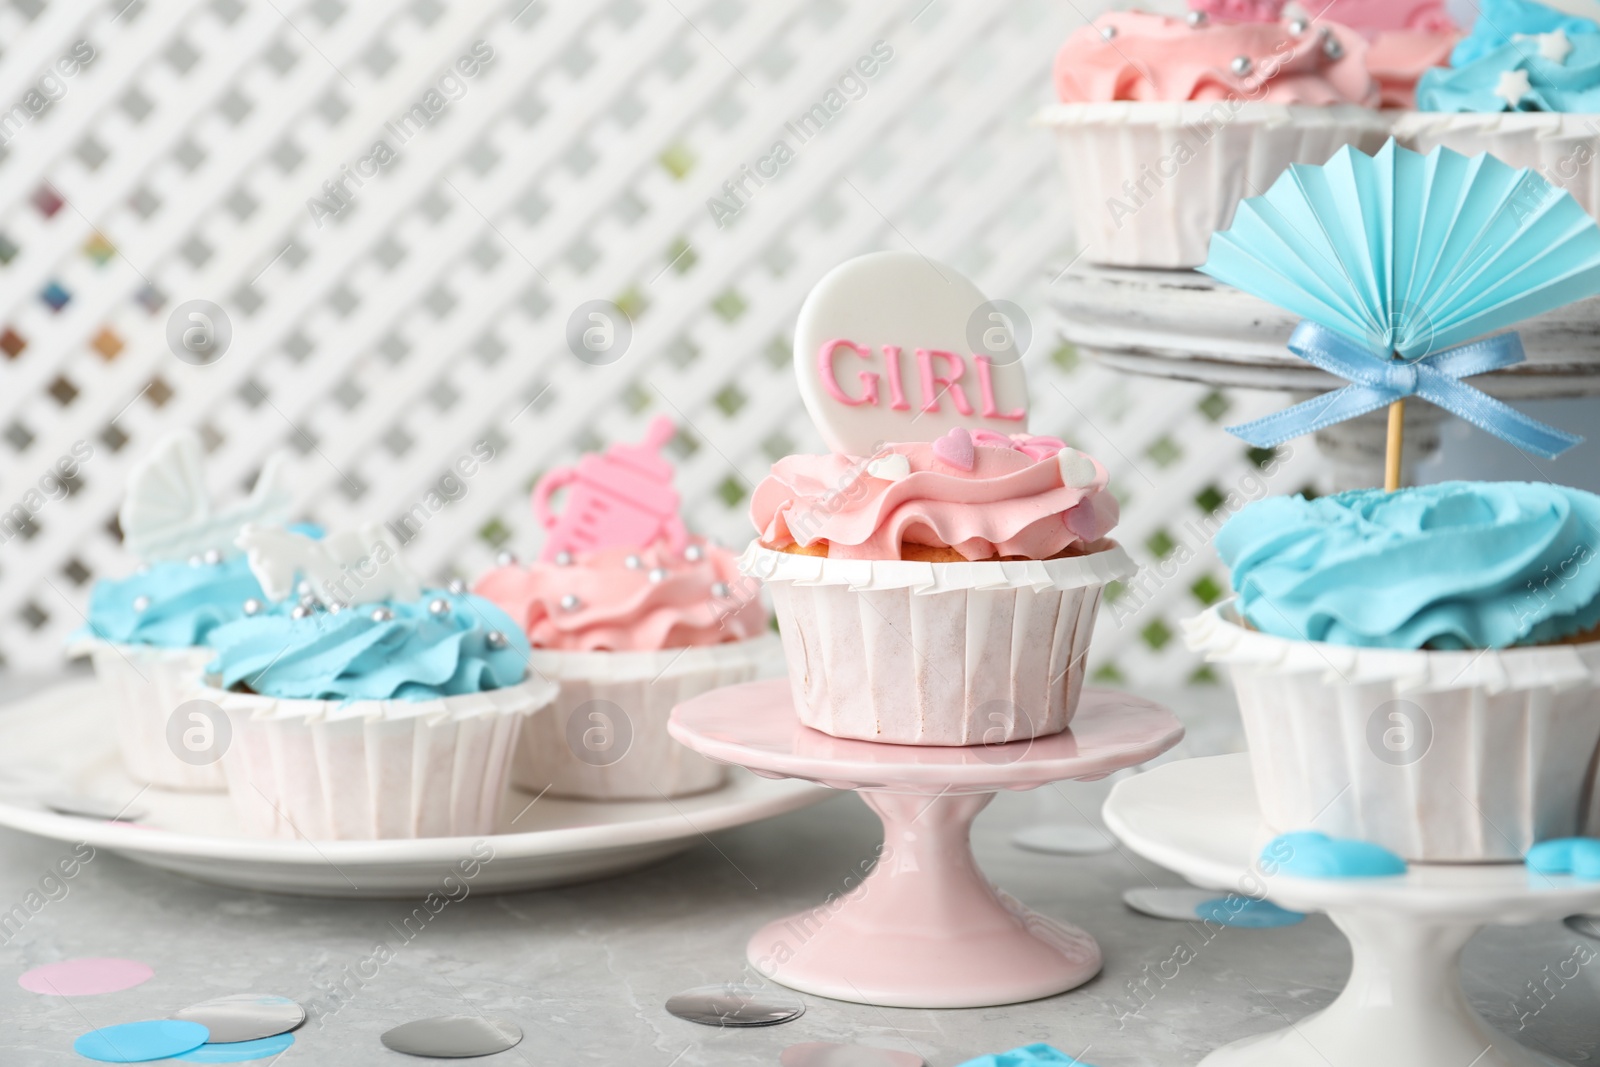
1396,261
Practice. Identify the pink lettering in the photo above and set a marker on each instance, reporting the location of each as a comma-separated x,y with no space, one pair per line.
869,380
897,388
986,387
932,383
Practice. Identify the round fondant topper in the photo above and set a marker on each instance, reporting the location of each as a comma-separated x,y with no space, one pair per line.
882,353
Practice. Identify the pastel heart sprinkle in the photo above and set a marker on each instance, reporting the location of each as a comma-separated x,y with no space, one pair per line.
1308,854
890,468
955,448
1577,856
1077,470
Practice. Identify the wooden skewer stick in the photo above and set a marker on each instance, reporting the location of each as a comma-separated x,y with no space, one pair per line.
1397,434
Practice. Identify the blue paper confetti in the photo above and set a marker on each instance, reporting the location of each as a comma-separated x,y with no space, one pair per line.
1245,912
238,1051
1027,1056
155,1039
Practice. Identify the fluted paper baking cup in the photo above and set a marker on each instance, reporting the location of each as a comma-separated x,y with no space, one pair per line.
606,737
144,686
936,653
1443,757
1149,183
1564,148
363,769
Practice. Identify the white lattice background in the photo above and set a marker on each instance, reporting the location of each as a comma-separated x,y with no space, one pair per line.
431,312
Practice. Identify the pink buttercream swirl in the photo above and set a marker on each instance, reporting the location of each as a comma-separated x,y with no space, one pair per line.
1024,496
1240,10
1131,55
618,599
1397,58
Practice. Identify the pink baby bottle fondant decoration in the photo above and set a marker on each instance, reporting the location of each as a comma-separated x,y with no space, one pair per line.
620,498
1240,10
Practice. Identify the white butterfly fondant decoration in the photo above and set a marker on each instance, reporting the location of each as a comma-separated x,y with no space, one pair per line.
168,512
360,566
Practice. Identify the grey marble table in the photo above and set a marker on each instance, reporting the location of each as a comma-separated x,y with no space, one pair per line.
585,970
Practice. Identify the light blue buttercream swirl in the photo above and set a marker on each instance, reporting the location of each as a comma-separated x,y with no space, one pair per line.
1470,83
355,654
171,604
1458,565
1499,21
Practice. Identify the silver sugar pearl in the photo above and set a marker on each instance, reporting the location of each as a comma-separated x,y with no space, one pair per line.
506,559
382,614
438,606
633,563
694,553
334,607
213,556
495,639
658,574
563,558
570,602
304,588
1196,19
1107,32
252,606
457,587
300,612
1332,48
1298,26
719,589
141,603
1241,65
309,602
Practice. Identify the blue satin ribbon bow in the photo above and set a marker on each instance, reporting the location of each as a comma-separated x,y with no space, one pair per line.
1378,379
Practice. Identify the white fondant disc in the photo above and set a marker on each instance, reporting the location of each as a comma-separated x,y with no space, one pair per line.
901,300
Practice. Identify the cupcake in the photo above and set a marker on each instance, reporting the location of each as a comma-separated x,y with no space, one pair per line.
630,615
937,593
372,707
1417,669
1523,86
1165,124
941,590
148,634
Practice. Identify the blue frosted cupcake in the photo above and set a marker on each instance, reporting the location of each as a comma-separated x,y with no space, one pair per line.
147,634
1523,86
390,713
1418,668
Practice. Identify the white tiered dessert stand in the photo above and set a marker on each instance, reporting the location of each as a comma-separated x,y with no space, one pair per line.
1184,325
1404,1005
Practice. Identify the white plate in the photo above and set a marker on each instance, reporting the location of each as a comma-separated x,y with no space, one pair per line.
59,742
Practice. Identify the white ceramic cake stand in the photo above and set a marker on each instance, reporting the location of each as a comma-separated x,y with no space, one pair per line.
1403,1005
925,929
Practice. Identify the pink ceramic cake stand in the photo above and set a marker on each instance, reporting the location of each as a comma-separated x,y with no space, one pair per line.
925,929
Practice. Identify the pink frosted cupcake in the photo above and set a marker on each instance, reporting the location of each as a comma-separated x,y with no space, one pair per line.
631,616
1166,124
946,594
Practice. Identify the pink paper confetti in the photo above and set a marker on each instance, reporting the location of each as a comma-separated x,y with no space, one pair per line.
86,977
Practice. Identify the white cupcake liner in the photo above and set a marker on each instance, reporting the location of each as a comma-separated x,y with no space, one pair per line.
358,770
1339,740
618,748
144,686
936,653
1238,150
1564,148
